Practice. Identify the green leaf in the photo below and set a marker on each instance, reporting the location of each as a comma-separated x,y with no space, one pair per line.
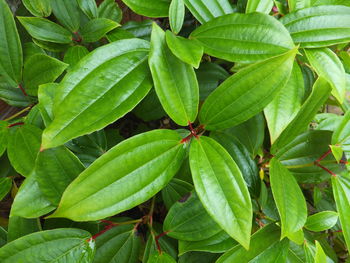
301,121
30,201
295,5
330,2
246,93
46,93
205,10
3,136
342,132
242,158
173,192
140,29
23,147
320,256
341,193
319,26
5,186
74,55
40,69
161,258
188,220
149,108
286,104
110,9
120,77
151,8
120,244
261,241
321,221
50,46
187,50
89,197
97,28
221,188
89,8
262,6
12,95
58,245
3,236
327,65
19,227
11,59
176,15
218,243
291,207
175,81
244,37
194,257
40,8
67,13
44,29
55,169
337,152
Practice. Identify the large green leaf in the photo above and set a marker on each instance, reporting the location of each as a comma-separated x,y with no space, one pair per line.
23,147
321,221
108,187
286,104
120,77
44,29
341,192
150,8
342,133
67,13
289,199
40,69
38,7
89,8
11,59
327,65
121,244
55,169
319,26
175,81
188,220
301,121
97,28
205,10
221,188
262,6
246,93
30,201
176,15
244,37
58,245
263,240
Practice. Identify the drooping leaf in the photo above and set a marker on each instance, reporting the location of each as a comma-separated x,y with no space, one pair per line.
173,192
97,28
262,6
161,258
112,177
176,15
327,65
110,9
5,186
261,241
116,90
23,147
188,220
89,8
67,13
289,199
221,188
244,37
341,192
3,136
342,132
151,8
301,121
58,245
120,244
286,104
321,221
175,81
11,59
74,55
206,10
30,201
40,69
187,50
40,8
45,30
319,26
246,93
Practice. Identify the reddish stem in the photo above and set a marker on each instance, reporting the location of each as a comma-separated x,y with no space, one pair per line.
106,228
157,240
325,168
15,124
323,156
22,89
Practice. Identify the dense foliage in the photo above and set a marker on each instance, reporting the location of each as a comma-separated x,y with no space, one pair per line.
217,131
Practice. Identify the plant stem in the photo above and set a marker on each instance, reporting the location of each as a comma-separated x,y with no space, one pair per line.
18,113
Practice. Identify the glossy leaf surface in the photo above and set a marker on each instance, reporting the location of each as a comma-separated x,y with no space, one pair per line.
321,221
262,6
97,28
176,15
151,8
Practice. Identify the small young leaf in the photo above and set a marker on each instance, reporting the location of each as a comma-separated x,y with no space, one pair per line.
151,8
67,13
97,28
337,152
175,81
89,8
262,6
44,29
289,199
176,15
41,8
321,221
221,188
